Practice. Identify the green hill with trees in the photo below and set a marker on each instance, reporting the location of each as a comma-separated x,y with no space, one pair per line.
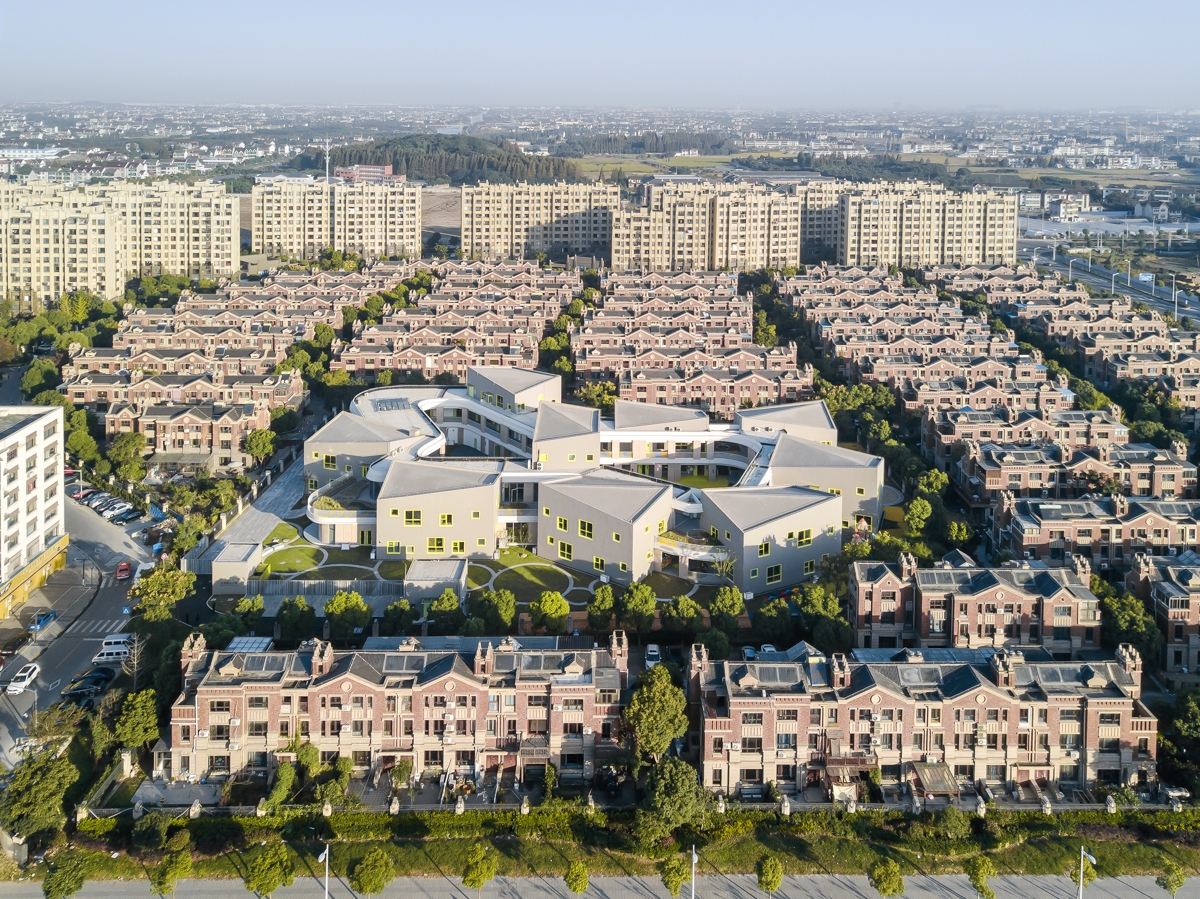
450,159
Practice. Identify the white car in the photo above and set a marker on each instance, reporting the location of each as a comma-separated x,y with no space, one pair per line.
653,656
113,511
766,647
26,676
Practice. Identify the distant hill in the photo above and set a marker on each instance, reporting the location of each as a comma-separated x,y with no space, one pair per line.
450,159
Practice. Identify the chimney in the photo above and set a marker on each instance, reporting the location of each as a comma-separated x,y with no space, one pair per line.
1180,448
839,671
1104,451
1131,663
696,664
908,565
1139,575
322,658
1121,505
1082,567
618,648
1008,501
193,649
483,659
1003,664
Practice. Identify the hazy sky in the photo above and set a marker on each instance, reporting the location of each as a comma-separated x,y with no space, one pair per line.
783,54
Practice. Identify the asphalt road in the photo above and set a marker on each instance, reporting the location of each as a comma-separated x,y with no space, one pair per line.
739,887
90,603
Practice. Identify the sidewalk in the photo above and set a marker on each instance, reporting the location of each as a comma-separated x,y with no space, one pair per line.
68,591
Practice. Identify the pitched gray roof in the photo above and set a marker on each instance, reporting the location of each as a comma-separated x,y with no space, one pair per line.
348,428
416,479
792,452
555,420
515,379
749,507
621,496
809,415
629,415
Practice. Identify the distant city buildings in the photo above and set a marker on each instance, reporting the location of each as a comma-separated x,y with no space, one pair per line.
519,221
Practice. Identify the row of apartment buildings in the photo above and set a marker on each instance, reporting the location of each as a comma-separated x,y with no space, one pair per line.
57,239
684,223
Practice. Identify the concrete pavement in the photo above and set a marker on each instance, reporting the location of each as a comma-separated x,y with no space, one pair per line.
256,522
310,886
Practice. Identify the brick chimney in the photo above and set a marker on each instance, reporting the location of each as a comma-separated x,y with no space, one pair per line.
1131,663
1180,448
618,648
1104,451
1004,664
1008,501
1139,575
839,671
908,565
483,659
1082,567
322,658
1121,505
696,663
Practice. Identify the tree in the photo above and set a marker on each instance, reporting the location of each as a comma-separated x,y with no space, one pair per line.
284,419
957,532
577,877
979,869
600,395
717,643
157,591
139,658
497,608
918,513
1172,878
446,612
600,608
1089,873
480,869
674,793
323,336
348,614
675,873
42,374
260,443
398,618
682,616
657,712
726,607
189,532
773,623
550,611
933,482
284,786
770,875
638,605
68,873
308,757
33,800
269,870
373,873
297,619
885,877
1125,619
138,724
126,447
174,867
81,445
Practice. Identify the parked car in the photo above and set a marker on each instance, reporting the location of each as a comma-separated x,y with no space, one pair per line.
41,619
130,516
748,654
98,673
113,511
85,493
107,504
25,677
124,570
93,501
14,644
84,688
653,656
766,647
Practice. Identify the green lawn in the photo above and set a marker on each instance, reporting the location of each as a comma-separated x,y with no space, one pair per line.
701,480
356,555
479,573
393,570
528,582
668,586
293,559
122,796
340,573
283,532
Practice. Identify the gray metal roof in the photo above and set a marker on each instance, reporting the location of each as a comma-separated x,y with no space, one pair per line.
415,479
749,507
792,452
555,420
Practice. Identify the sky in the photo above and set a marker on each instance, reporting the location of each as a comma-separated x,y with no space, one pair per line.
886,54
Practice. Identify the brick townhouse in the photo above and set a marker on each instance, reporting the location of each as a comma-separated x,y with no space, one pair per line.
100,391
943,431
719,393
1170,587
1106,531
611,362
191,438
1014,720
892,369
918,395
960,604
459,704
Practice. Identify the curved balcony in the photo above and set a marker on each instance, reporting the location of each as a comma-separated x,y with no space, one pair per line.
341,509
696,545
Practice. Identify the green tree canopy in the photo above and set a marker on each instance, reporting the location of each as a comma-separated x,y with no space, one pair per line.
348,614
550,611
576,877
770,875
675,873
717,643
600,608
886,878
657,712
480,868
67,875
979,869
1089,873
638,605
269,869
373,873
918,513
674,794
126,448
138,724
33,800
297,619
682,617
397,618
157,591
260,443
1172,878
174,867
497,608
446,612
726,607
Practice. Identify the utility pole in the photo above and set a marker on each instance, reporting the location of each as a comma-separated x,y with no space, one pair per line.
1129,273
1175,298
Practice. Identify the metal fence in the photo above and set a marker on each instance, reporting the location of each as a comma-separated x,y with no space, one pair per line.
297,587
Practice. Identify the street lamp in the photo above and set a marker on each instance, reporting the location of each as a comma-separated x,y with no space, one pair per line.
324,857
1112,288
1070,268
1083,853
1175,298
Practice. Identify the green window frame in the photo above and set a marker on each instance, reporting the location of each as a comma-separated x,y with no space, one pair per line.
804,538
566,551
412,518
562,524
585,529
810,567
458,546
764,549
435,546
774,574
446,520
597,563
330,462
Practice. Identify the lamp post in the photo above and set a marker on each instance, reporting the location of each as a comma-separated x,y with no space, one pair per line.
1175,298
324,857
695,858
1112,288
1083,853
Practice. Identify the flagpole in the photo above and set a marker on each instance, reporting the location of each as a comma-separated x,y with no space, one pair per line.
693,871
326,854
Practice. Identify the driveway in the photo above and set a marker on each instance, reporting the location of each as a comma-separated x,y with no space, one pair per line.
254,524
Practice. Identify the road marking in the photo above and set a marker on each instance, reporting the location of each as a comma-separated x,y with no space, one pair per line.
53,686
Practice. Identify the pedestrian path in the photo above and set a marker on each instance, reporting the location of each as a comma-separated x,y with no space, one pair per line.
96,627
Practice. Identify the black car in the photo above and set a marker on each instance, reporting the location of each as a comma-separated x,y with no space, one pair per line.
14,645
129,517
98,673
85,686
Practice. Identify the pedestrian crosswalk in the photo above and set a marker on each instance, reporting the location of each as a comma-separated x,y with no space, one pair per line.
96,626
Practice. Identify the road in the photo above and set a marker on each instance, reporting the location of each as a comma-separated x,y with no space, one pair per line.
90,603
738,887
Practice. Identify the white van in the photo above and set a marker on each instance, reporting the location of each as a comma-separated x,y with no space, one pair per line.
109,655
116,641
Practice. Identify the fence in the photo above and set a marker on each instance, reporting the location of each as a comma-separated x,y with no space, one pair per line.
297,587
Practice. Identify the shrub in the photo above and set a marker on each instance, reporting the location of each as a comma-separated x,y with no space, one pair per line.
373,873
150,833
96,827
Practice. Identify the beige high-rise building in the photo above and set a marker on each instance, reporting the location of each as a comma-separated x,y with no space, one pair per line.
301,216
57,239
518,221
914,223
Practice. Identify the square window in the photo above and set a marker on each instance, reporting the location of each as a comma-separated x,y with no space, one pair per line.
585,529
395,513
570,457
481,541
458,546
412,518
446,520
616,536
774,574
597,563
474,516
435,545
624,567
753,573
550,539
860,491
590,457
566,551
546,511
